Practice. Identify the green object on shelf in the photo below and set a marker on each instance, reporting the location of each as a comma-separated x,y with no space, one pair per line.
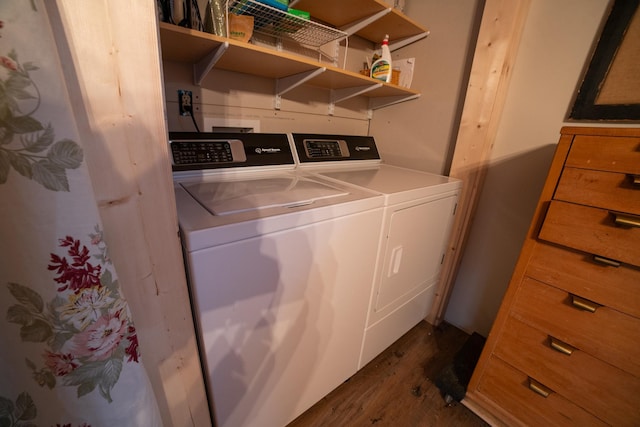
299,13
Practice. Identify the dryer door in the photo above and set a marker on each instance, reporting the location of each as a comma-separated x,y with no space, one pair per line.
413,252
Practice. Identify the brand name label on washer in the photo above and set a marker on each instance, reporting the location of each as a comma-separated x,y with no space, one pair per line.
267,150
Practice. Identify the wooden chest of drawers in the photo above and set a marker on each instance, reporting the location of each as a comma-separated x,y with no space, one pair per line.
565,346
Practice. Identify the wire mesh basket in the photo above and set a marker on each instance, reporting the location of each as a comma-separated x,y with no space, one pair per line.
277,23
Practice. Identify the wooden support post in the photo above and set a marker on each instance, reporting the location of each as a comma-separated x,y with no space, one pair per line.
498,40
114,79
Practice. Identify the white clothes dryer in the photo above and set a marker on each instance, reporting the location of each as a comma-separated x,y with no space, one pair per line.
419,212
280,268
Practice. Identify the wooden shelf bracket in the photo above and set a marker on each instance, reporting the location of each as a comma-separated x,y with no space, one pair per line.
202,67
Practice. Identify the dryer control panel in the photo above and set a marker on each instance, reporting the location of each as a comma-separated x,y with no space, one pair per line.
318,148
323,148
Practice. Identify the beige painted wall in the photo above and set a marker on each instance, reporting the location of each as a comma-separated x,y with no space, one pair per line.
557,40
420,134
235,96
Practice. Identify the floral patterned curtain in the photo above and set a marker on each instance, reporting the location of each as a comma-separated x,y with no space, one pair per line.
68,348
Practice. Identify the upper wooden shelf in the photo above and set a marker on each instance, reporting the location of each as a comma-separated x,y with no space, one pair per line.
369,19
194,47
349,14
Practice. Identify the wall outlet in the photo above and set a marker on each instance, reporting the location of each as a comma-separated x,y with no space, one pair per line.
185,102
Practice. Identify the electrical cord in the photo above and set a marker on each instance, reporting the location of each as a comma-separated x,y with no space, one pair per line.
195,124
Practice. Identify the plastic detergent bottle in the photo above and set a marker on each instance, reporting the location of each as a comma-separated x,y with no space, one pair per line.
381,68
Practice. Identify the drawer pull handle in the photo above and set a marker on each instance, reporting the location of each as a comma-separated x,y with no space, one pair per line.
584,304
606,261
560,346
626,220
635,179
539,388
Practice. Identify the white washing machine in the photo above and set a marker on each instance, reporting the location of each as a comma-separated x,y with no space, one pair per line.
419,211
280,272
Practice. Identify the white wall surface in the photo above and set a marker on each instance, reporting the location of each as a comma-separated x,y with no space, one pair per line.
556,43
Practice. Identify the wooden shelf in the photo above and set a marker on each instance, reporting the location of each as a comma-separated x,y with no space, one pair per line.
348,14
189,46
370,19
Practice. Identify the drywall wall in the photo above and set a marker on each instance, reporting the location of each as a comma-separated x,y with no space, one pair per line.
556,43
236,96
420,134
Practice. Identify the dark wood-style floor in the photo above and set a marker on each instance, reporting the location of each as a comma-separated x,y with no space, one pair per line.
397,387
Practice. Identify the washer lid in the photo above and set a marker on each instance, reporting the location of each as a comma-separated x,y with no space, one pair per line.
231,197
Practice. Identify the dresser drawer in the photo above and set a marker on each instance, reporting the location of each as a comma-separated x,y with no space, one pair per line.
617,287
606,334
511,390
614,154
607,190
565,345
602,389
591,230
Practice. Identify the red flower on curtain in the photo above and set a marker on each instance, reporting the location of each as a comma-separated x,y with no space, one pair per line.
80,274
132,349
86,327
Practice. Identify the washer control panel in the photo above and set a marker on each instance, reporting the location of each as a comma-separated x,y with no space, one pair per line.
192,151
207,152
326,148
